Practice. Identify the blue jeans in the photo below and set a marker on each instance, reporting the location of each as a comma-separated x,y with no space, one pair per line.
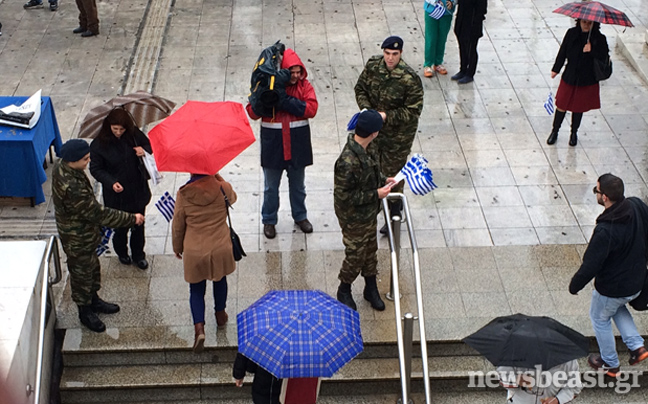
296,191
602,311
197,298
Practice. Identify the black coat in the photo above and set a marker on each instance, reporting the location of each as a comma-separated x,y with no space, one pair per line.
469,23
580,65
617,252
115,161
265,387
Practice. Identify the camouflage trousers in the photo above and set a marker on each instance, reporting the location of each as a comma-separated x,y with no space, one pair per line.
391,160
360,246
85,277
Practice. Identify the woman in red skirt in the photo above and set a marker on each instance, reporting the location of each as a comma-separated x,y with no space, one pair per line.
578,91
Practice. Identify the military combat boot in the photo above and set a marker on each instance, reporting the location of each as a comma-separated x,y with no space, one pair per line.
371,293
344,295
100,306
90,319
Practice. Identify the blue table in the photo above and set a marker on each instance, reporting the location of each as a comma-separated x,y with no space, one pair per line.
22,152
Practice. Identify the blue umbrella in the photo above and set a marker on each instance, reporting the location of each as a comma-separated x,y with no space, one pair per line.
299,333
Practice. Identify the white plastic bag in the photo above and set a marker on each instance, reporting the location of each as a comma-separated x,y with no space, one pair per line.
151,167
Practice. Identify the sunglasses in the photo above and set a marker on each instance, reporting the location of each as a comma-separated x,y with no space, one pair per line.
596,191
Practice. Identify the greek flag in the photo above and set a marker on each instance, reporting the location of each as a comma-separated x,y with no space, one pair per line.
106,234
166,206
438,11
417,174
549,104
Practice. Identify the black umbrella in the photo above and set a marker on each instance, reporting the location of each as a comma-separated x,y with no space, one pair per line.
526,341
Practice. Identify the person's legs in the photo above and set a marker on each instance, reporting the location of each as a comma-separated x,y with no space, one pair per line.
430,37
85,281
90,7
120,238
559,116
197,301
370,268
602,310
472,56
443,28
83,18
220,294
137,241
272,180
577,117
626,325
297,193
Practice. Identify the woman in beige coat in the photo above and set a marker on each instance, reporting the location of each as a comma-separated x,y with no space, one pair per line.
201,239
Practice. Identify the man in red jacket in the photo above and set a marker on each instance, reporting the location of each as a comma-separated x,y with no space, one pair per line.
286,145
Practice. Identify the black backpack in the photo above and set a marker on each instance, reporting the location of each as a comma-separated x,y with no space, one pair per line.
268,81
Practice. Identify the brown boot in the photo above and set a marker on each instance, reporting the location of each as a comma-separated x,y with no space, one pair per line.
221,318
199,339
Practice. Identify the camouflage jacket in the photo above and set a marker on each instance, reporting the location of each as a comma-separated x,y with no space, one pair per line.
357,179
398,93
79,216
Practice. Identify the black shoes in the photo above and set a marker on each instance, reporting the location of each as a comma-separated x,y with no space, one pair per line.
384,230
88,33
142,264
305,226
89,319
553,136
54,6
573,139
637,356
33,4
125,260
372,295
78,30
457,76
100,306
344,295
465,79
269,231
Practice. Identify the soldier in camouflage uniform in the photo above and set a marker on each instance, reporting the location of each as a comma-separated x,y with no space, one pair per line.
391,87
359,186
79,218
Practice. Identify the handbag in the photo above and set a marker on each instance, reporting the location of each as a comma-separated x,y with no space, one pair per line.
602,69
237,248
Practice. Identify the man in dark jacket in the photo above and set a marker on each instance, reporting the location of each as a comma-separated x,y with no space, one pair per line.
265,387
616,259
469,27
359,185
79,218
286,145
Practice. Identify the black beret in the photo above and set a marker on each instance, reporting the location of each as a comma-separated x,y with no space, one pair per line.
393,43
74,150
369,122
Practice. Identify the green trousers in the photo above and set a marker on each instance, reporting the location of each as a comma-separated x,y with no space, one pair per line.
85,277
436,35
360,246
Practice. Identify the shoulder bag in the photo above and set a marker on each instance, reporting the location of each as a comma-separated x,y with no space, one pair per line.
237,248
602,69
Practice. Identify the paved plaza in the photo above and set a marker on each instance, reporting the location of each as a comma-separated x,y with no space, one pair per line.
502,234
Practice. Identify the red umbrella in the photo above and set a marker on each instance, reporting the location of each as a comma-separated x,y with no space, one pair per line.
595,11
201,137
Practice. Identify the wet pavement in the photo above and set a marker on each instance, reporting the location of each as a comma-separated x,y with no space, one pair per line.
502,234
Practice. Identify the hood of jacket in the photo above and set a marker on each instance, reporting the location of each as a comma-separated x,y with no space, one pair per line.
291,59
201,192
620,212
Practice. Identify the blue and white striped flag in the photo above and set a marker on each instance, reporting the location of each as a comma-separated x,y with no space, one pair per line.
354,120
166,206
417,174
438,11
106,234
549,104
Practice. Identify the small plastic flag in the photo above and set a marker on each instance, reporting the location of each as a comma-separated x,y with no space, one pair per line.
166,206
106,234
438,11
418,175
549,104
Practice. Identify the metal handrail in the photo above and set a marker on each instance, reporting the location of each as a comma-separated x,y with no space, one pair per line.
403,359
52,249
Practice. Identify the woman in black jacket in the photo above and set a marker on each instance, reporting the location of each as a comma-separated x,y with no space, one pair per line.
265,387
115,161
578,91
